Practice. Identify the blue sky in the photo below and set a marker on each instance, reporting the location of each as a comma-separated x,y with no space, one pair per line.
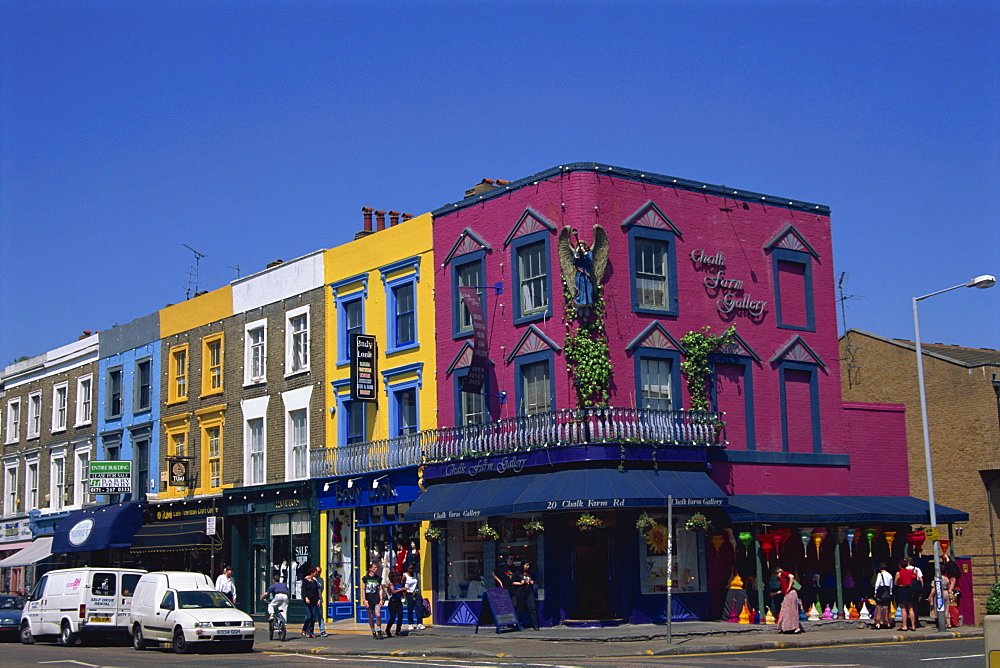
257,130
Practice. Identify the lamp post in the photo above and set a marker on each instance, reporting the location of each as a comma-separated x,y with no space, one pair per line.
985,281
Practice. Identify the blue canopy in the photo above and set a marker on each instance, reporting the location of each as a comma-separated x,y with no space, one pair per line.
594,489
98,528
780,508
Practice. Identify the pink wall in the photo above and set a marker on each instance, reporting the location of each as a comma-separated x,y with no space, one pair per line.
875,436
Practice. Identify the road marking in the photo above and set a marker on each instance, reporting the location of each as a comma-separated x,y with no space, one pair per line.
78,663
820,665
950,658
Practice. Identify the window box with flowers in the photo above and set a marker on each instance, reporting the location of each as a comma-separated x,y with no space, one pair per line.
588,522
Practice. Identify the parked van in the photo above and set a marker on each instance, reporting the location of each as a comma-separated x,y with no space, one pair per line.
75,602
185,610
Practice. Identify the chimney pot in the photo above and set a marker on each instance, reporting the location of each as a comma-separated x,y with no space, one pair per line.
393,218
367,211
407,216
380,220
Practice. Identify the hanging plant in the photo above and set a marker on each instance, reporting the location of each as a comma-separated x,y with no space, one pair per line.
434,533
587,522
696,368
698,522
645,523
534,526
486,532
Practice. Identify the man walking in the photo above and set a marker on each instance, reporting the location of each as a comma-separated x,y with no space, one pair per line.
225,583
322,613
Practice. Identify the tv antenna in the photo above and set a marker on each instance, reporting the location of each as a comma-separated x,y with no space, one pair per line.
853,368
236,269
192,273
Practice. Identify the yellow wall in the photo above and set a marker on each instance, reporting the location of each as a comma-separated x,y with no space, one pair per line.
365,256
196,312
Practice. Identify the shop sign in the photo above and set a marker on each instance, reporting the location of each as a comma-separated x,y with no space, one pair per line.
181,512
178,475
393,488
110,477
363,367
698,502
79,533
733,297
507,464
364,495
15,531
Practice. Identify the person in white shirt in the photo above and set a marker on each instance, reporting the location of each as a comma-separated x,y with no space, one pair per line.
225,584
410,580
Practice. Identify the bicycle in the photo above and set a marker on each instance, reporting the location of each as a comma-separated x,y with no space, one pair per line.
276,622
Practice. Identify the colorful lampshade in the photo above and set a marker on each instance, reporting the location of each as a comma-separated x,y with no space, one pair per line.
746,538
717,539
944,545
916,540
850,533
804,536
766,544
818,535
890,536
778,538
870,535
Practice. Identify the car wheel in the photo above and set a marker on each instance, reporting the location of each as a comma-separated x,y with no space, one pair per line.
66,636
181,645
138,641
25,635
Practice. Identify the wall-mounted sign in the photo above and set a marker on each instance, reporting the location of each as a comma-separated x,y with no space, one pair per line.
110,477
177,472
364,350
474,380
733,296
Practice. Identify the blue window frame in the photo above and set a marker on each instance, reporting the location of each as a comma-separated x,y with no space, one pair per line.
747,367
531,275
351,320
470,408
653,263
786,424
404,402
658,379
401,303
467,270
535,383
782,256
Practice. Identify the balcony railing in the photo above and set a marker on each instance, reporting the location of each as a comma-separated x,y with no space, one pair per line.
528,432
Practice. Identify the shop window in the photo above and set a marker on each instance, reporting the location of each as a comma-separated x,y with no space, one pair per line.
531,277
469,273
211,364
291,543
469,562
688,558
340,565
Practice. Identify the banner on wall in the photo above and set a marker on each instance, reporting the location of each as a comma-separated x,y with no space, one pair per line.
476,377
363,367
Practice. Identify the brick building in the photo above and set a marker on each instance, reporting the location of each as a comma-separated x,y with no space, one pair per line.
963,417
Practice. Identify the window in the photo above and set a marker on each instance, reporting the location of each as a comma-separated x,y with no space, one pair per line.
57,477
654,270
211,365
356,428
655,384
140,483
143,399
13,434
404,318
298,440
178,383
351,322
255,446
406,411
297,342
531,277
534,383
470,408
800,424
10,489
84,400
81,476
34,414
60,396
465,275
114,406
31,485
793,292
255,363
401,303
732,394
214,436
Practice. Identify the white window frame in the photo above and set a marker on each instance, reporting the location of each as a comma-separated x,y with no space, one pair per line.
295,401
10,488
34,429
31,478
84,400
60,407
81,478
13,433
296,342
248,359
254,409
57,486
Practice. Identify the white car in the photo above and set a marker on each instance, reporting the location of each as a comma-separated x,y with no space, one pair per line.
185,610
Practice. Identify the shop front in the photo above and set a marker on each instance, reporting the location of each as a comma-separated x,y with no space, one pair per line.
181,536
574,520
364,520
99,535
271,532
15,536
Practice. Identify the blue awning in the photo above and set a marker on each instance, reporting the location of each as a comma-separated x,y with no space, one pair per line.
594,489
98,528
751,508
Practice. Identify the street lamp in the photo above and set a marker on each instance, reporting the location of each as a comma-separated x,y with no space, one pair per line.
984,281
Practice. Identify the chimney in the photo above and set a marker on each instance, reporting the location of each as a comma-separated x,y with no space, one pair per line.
367,211
379,220
275,263
393,218
483,186
407,216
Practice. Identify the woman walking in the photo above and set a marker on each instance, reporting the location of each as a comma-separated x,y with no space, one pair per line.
906,579
395,590
882,619
788,620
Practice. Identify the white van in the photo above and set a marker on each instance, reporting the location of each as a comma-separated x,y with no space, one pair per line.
185,610
75,602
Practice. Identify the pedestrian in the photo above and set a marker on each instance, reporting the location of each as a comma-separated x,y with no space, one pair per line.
225,583
395,591
503,574
950,574
410,581
788,620
525,600
310,597
774,591
882,617
372,584
908,581
317,573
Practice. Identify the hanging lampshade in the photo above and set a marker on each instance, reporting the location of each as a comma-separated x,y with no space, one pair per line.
746,538
945,542
766,544
818,534
890,536
717,539
916,540
870,535
850,540
804,536
777,538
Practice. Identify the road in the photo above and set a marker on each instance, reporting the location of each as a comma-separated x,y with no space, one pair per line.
952,653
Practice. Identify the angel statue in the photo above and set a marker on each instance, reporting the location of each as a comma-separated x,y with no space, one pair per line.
582,266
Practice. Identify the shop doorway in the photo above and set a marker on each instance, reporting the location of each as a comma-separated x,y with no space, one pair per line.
594,576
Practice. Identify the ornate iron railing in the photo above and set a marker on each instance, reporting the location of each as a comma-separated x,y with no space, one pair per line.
527,432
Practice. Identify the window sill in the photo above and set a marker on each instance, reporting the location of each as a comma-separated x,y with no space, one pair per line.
254,382
533,317
58,430
654,311
173,402
402,348
797,328
213,393
299,372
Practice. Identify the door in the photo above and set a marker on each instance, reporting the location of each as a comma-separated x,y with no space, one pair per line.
52,601
594,575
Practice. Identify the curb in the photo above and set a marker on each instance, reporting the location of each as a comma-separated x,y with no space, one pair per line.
814,641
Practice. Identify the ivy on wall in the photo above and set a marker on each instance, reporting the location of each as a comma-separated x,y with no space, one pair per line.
586,347
698,345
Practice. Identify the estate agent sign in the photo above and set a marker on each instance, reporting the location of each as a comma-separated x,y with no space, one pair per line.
110,477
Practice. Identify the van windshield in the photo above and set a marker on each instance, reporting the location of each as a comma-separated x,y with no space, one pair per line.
202,599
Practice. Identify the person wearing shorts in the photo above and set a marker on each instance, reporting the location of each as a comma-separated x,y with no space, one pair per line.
374,597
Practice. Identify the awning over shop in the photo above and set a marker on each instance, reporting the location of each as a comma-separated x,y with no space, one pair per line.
176,536
36,551
594,489
20,545
98,528
749,508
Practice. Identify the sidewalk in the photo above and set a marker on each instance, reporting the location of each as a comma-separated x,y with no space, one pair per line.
348,638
